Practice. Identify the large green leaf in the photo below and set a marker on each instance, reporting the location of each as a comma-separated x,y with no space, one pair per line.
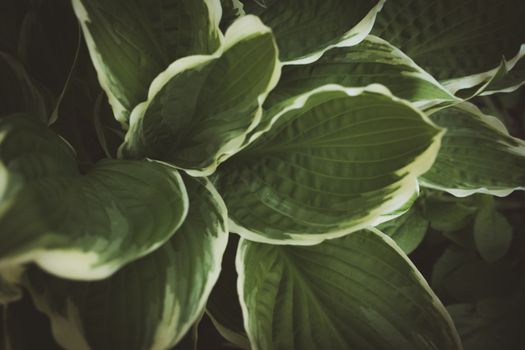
131,42
477,155
460,42
80,226
335,161
305,29
19,91
200,109
371,61
150,303
355,292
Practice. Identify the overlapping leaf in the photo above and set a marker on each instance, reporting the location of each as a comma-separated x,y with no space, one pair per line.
131,42
150,303
477,155
80,226
371,61
335,161
459,42
305,29
200,109
355,292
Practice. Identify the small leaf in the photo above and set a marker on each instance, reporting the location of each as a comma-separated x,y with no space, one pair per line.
492,233
336,160
408,230
448,216
305,30
355,292
200,109
130,43
477,155
150,303
80,226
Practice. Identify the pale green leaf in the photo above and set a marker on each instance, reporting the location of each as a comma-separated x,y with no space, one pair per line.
477,155
355,292
305,29
492,232
408,230
150,303
200,109
80,226
336,160
459,42
19,91
131,42
371,61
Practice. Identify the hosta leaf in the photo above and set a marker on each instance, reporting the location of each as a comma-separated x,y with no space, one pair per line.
477,155
200,109
131,42
408,230
355,292
460,42
371,61
80,226
19,91
492,232
305,29
336,160
512,77
150,303
223,307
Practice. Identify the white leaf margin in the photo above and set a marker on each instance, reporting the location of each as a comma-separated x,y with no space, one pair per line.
241,252
242,29
499,128
391,208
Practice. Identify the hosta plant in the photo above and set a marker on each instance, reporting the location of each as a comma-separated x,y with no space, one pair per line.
266,165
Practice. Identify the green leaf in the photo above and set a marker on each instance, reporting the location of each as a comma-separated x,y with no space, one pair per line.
371,61
20,92
80,226
477,155
223,307
304,30
150,303
200,109
408,230
130,43
490,324
492,233
356,292
458,42
336,160
450,215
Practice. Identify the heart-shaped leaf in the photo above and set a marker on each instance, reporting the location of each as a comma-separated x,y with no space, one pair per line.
355,292
335,161
150,303
131,42
200,109
80,226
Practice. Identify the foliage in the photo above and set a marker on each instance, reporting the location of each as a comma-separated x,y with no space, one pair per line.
265,167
